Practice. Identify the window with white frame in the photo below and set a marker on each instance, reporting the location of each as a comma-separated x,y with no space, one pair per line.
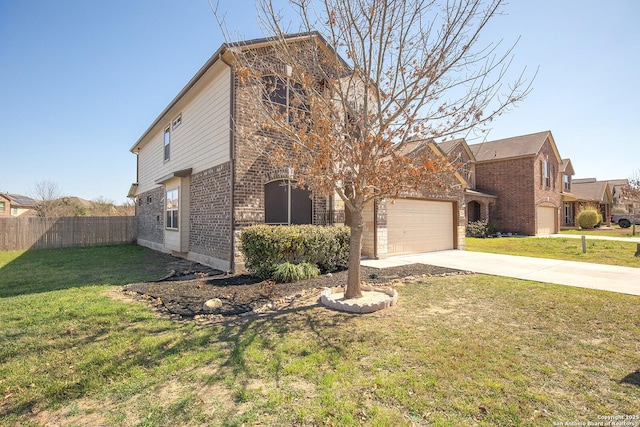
167,143
176,122
3,207
172,209
545,174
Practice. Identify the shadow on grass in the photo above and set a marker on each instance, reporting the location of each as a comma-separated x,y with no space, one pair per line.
45,270
633,378
269,336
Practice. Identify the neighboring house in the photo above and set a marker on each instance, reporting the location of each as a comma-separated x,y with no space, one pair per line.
203,173
569,210
619,204
16,205
523,172
477,203
590,193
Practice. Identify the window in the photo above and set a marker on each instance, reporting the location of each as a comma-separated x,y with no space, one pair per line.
167,143
14,211
3,207
287,97
285,204
545,173
149,200
176,122
567,182
172,209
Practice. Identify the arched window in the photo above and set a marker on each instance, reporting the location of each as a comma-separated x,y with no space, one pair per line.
286,204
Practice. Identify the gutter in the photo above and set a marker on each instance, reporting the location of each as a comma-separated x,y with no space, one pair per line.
375,229
232,156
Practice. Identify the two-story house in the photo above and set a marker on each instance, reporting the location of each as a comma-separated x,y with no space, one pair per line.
523,173
16,205
204,173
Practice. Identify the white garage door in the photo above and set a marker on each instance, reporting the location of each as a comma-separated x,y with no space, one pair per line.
546,220
415,226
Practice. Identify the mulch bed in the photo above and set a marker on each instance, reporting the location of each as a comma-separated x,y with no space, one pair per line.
183,294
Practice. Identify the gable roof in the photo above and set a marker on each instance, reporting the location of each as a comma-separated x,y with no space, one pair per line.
449,146
413,147
225,54
592,190
567,167
18,200
514,147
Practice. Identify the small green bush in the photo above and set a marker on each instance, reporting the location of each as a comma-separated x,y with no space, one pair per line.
589,218
290,272
478,229
265,247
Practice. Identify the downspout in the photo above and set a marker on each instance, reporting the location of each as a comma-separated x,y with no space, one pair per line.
232,155
375,229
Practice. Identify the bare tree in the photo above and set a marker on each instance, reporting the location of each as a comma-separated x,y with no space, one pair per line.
364,79
47,194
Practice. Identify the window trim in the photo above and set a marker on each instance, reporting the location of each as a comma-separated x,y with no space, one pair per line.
167,143
172,214
546,174
176,122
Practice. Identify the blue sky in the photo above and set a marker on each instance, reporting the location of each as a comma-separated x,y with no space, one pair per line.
81,80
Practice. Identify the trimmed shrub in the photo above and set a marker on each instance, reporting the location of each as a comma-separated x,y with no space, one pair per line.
589,218
265,247
290,272
478,229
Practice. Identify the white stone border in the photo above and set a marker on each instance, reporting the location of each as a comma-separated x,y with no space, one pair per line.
358,305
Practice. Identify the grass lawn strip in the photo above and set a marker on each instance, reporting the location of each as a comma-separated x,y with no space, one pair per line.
460,350
609,252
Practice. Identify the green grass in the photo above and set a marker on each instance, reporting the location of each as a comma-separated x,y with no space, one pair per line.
614,231
598,251
464,350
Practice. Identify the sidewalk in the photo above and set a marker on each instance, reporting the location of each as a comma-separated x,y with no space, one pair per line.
581,274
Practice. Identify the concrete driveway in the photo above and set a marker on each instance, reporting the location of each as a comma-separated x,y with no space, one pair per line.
624,280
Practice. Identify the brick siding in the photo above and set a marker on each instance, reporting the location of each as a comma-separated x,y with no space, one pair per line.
150,215
520,189
210,216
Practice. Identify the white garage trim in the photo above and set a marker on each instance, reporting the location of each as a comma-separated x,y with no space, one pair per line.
546,220
415,226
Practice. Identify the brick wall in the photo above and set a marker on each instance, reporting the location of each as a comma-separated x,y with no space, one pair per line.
150,215
210,216
520,188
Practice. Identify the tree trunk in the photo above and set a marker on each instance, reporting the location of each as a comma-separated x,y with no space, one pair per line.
355,249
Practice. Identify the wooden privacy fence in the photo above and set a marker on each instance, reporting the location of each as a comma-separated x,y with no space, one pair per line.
65,232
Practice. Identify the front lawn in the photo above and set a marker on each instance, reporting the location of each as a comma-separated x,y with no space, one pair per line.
613,231
460,350
610,252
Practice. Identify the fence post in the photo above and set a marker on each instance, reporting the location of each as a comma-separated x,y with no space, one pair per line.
638,250
584,244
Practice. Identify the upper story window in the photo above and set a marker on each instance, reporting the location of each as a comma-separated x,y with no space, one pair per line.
287,97
3,207
172,209
14,211
284,204
167,143
176,122
566,181
545,173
